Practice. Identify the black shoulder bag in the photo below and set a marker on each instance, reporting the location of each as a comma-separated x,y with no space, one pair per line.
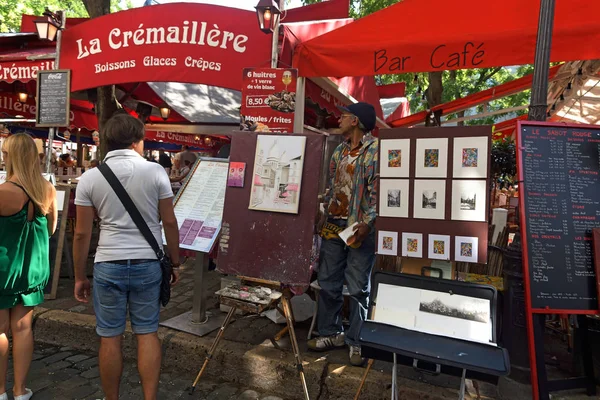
165,261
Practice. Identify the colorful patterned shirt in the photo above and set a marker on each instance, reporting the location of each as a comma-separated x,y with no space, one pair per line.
359,194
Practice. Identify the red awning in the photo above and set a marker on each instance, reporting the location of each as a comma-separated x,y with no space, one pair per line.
15,65
506,89
437,35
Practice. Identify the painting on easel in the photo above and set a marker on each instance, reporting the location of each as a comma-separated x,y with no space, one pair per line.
277,175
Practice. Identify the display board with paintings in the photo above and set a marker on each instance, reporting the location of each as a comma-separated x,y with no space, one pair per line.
433,192
270,206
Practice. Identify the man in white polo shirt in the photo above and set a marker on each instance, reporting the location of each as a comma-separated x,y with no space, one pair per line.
127,274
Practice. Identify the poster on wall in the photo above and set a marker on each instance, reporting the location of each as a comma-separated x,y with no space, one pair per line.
277,173
199,205
269,99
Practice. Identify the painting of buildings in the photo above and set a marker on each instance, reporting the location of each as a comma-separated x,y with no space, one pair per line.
277,174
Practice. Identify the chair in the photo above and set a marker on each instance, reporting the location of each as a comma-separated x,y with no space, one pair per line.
385,336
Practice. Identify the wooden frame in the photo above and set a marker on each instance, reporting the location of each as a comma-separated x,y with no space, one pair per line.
60,231
38,97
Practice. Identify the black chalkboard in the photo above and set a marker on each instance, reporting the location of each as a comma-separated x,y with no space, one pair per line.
560,196
53,98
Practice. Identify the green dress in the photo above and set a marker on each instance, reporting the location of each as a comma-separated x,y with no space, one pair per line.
24,260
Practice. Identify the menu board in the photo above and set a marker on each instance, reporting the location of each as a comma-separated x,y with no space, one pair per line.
199,204
269,99
560,196
53,98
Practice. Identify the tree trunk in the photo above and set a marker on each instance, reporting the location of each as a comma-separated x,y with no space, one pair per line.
434,96
107,103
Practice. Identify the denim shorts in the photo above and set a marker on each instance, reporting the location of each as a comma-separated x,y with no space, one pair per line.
118,287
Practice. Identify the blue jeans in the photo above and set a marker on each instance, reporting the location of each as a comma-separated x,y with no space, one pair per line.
338,263
118,287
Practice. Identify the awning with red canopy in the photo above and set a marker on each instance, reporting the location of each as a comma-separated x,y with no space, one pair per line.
439,35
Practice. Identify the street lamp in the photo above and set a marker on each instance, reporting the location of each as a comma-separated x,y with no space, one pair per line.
165,111
48,26
268,14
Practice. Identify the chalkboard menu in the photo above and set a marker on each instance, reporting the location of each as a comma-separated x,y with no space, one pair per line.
559,169
53,98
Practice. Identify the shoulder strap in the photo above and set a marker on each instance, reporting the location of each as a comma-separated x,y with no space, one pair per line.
135,215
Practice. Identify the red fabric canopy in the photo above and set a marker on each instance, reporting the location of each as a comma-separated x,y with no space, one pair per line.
497,92
437,35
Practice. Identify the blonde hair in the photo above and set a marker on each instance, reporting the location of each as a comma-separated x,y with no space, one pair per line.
23,166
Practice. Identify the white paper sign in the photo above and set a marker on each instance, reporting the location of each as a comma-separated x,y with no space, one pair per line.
199,206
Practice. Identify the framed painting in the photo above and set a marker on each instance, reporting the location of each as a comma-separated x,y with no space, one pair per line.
431,158
393,198
429,199
470,158
469,200
277,175
394,158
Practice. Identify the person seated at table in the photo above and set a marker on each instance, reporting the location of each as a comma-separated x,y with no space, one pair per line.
183,172
66,161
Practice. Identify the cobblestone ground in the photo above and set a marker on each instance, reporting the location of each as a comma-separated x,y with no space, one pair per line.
66,374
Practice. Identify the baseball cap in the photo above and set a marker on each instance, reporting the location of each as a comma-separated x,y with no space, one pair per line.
365,113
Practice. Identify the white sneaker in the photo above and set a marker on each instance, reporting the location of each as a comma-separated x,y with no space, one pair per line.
324,343
356,357
26,396
3,396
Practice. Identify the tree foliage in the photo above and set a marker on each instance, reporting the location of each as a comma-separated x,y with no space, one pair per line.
11,10
425,90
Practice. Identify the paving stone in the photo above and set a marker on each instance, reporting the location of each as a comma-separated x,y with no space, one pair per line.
91,373
37,356
56,357
271,398
87,364
58,366
77,358
79,392
78,308
249,395
223,392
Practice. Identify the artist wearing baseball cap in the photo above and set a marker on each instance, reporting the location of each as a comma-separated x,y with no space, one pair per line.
352,198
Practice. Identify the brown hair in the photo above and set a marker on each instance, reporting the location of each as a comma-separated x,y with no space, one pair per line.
121,131
23,166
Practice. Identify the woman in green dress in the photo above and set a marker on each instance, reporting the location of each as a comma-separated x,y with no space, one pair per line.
28,217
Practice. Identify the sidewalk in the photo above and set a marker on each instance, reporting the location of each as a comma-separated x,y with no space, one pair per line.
247,356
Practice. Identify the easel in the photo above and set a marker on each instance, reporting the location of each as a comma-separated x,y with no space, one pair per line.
285,309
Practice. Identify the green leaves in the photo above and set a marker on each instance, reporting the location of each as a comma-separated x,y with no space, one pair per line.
11,10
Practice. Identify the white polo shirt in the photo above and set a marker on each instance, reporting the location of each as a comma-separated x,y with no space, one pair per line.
146,183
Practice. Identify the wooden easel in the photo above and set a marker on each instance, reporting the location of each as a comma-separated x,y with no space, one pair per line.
285,309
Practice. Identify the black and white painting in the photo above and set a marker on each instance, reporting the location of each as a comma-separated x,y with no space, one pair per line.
429,199
393,198
469,200
455,306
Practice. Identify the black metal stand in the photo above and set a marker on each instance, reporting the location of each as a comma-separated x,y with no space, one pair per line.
545,387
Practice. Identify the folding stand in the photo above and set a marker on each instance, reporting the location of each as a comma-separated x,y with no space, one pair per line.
254,308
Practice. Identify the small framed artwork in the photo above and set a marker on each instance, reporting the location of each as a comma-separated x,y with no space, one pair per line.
439,247
465,249
431,158
387,243
470,158
393,198
237,172
395,156
469,200
429,199
412,245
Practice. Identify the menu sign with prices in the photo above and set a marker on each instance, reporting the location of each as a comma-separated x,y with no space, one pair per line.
199,205
53,98
269,99
559,170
